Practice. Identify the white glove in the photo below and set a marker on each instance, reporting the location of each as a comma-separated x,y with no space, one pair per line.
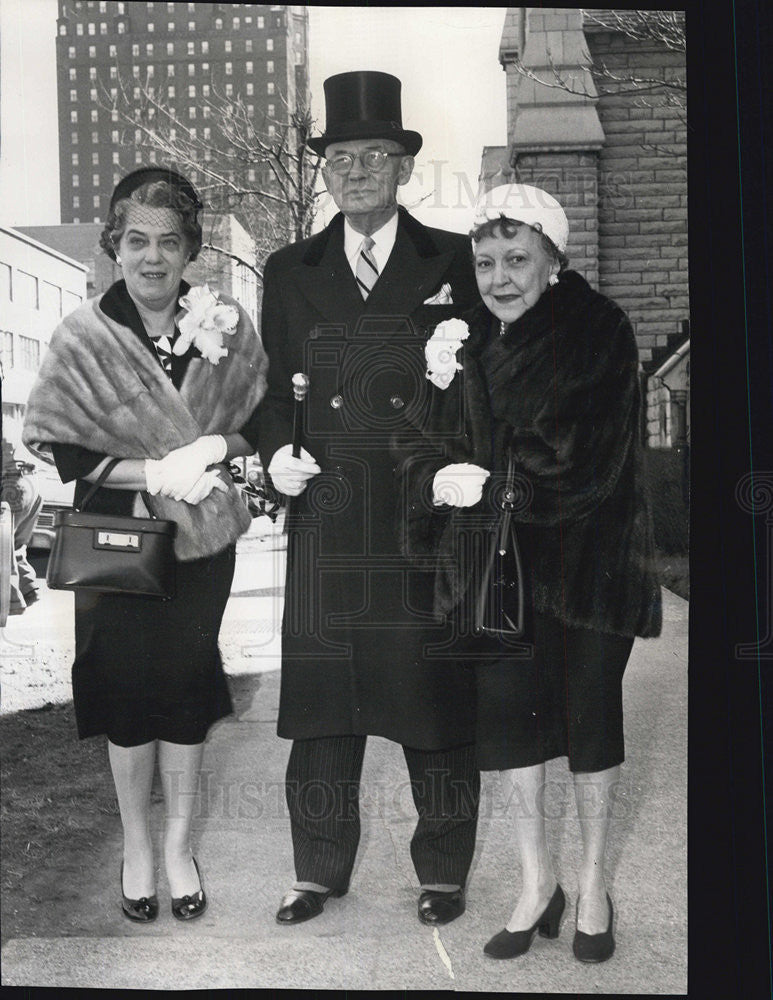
459,485
290,474
207,483
177,473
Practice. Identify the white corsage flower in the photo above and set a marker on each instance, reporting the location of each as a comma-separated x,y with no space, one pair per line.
205,322
440,351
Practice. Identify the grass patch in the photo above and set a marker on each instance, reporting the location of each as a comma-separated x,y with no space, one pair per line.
57,805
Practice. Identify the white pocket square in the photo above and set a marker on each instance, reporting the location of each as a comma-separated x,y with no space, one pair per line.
442,298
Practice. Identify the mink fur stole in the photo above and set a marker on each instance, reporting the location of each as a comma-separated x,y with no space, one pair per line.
100,388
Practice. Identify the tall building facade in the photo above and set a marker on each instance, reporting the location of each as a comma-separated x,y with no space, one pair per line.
185,53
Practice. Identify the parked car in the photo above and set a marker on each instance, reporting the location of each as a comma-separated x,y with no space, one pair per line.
56,496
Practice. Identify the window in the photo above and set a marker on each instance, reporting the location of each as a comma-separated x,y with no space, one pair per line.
193,136
94,116
6,349
229,90
5,281
102,7
92,29
102,28
269,88
74,138
270,66
76,202
92,52
173,133
205,111
113,72
251,174
114,95
136,72
95,180
116,156
75,159
250,109
269,45
248,45
51,299
205,48
92,72
191,8
78,29
228,45
205,67
73,96
151,27
121,8
137,135
191,91
121,31
237,23
73,74
191,48
191,69
71,52
261,22
95,158
29,353
113,113
138,157
170,70
135,49
250,89
170,48
113,51
93,94
63,30
218,22
96,201
70,299
191,25
271,110
229,68
272,130
170,93
151,71
205,90
149,49
136,93
74,120
248,67
191,113
207,133
26,290
95,136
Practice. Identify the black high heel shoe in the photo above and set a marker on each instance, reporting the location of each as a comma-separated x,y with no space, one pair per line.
188,907
142,910
510,944
595,947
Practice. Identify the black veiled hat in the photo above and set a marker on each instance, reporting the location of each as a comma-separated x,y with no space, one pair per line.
145,175
364,104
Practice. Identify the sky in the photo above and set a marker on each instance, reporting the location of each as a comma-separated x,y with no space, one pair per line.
446,57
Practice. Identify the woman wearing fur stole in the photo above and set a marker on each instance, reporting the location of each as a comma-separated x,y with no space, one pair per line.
542,377
171,392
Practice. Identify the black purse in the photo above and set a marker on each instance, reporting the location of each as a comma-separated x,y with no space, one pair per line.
112,553
500,599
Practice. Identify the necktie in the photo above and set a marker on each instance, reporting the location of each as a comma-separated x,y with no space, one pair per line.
367,271
163,348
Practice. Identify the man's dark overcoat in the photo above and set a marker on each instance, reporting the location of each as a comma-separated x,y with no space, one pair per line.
362,651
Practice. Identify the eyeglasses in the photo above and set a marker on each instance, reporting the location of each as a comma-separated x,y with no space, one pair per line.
372,159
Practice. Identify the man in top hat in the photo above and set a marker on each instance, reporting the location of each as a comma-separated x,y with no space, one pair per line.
362,654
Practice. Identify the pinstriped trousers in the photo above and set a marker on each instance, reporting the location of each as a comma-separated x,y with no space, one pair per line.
323,796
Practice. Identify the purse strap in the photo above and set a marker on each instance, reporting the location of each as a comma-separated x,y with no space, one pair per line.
101,479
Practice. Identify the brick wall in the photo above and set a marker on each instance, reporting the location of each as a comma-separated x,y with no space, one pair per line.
570,177
642,210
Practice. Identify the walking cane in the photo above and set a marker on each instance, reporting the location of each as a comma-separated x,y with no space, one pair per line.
300,388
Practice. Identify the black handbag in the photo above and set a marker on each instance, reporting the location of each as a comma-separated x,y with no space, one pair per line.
499,603
112,553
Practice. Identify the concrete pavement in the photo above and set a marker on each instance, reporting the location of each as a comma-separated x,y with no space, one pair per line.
371,939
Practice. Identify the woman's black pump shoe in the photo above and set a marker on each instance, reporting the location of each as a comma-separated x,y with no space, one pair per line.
595,947
142,910
511,944
188,907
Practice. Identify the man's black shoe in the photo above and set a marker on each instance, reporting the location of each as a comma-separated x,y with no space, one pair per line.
302,904
436,907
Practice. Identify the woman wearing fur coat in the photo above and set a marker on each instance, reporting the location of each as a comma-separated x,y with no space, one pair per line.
172,393
542,376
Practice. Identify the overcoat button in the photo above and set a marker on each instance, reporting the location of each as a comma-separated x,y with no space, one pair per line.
337,402
397,402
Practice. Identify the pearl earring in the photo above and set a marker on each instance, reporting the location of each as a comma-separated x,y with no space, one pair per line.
553,279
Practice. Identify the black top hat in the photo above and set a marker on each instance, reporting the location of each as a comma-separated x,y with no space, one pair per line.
364,105
146,175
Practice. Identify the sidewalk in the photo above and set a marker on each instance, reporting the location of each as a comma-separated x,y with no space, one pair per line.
371,939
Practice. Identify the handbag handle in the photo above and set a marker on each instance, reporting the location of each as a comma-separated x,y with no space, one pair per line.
101,479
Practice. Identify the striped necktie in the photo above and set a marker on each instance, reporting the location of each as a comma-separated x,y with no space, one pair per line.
367,271
163,347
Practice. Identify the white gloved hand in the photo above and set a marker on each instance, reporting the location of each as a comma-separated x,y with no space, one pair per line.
207,483
459,485
289,474
176,474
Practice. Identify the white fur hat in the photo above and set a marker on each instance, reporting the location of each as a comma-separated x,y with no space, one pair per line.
524,203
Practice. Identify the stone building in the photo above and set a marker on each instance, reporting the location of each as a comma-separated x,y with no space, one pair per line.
615,154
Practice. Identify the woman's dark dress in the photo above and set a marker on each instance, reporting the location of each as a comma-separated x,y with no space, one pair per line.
148,669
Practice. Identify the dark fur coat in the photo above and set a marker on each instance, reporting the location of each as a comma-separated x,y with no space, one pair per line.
560,393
